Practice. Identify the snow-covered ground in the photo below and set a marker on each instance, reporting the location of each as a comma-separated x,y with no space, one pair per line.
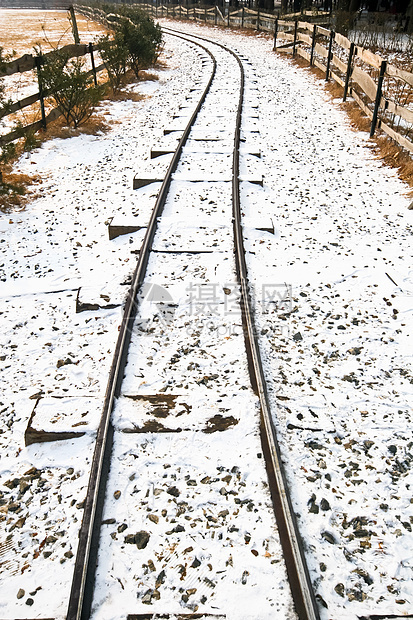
336,346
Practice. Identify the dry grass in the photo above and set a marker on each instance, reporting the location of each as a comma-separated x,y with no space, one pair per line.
49,29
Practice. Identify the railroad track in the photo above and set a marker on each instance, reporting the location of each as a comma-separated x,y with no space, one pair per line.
186,369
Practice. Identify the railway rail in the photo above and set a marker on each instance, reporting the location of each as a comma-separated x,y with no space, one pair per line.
148,397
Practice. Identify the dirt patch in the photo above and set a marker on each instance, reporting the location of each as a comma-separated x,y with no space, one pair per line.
220,423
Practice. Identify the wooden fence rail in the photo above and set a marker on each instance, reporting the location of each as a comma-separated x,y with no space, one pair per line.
27,62
374,84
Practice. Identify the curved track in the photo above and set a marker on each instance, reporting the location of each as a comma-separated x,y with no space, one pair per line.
81,599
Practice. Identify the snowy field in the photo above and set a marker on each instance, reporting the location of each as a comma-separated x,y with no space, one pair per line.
338,358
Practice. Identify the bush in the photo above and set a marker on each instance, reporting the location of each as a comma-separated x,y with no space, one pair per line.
142,38
115,56
70,87
136,36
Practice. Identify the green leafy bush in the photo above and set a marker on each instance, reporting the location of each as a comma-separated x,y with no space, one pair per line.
136,43
114,54
71,87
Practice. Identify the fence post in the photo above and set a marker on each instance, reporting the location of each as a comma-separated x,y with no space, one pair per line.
258,19
38,61
228,17
330,47
74,25
348,74
313,45
242,17
93,64
216,15
295,37
378,97
275,33
205,15
173,11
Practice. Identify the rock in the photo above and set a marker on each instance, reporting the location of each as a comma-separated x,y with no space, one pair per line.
153,518
364,574
29,602
356,595
195,563
244,577
147,598
20,593
109,521
324,504
142,539
313,508
173,491
297,337
328,537
339,589
176,530
13,507
160,579
12,484
117,494
65,362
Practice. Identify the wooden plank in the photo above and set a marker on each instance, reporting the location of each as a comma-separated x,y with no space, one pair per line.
304,38
19,105
320,65
368,57
287,35
321,50
303,53
404,142
323,31
27,62
337,78
399,110
365,82
20,65
339,64
399,73
362,105
15,135
305,26
342,41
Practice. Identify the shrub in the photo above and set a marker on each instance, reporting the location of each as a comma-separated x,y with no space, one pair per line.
136,34
142,37
70,87
114,54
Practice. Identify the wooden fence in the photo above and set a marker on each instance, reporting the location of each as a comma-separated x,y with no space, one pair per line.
383,91
29,63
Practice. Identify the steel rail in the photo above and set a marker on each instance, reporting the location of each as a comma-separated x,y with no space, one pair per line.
298,574
81,595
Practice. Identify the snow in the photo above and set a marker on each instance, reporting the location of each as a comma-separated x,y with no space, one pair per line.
333,290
